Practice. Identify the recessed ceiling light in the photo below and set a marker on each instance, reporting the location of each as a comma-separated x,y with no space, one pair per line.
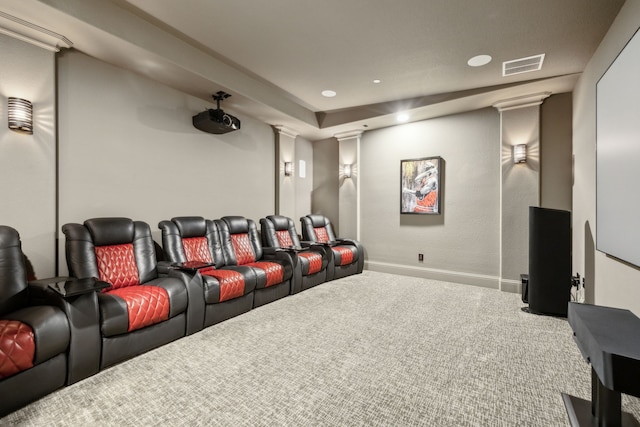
329,93
479,60
376,81
402,117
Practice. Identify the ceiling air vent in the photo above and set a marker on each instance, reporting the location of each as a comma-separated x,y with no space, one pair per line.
522,65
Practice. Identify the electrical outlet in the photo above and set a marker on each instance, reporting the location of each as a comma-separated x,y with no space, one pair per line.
420,257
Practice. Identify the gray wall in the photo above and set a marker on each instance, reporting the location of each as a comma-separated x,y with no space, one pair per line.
27,162
326,180
609,282
556,165
128,148
462,244
304,185
520,189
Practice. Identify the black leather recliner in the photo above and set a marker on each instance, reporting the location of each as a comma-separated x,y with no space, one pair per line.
310,268
347,254
241,246
226,291
34,339
140,311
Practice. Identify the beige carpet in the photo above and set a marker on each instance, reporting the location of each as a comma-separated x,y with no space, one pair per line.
367,350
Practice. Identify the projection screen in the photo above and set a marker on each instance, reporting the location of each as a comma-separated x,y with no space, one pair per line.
618,156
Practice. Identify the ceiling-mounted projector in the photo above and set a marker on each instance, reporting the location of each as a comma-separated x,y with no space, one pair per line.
216,121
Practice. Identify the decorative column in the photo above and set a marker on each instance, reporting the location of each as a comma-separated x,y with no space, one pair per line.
349,190
520,184
285,184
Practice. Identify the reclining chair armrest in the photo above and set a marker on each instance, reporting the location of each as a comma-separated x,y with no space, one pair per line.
164,267
83,314
50,329
270,250
280,255
316,247
319,248
353,242
196,306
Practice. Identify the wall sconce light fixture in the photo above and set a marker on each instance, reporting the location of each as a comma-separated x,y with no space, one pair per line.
520,153
20,114
346,171
288,168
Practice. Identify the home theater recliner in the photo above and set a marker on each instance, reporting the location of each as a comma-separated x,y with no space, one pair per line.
34,338
347,254
311,262
125,302
140,311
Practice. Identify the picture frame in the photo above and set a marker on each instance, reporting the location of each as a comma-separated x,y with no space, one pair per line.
420,189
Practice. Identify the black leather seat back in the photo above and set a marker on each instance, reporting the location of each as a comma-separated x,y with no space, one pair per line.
83,239
317,228
192,238
240,240
278,231
13,275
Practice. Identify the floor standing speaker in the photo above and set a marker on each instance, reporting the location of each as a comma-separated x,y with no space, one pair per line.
549,261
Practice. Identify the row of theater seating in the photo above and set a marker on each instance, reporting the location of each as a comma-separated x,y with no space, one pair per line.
127,295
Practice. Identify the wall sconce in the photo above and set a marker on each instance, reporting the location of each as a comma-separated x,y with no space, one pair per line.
20,114
520,153
346,171
288,168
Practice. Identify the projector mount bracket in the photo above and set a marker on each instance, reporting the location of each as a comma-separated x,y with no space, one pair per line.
220,96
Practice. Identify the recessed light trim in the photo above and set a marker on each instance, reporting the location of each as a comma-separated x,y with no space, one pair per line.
479,60
329,93
402,117
376,81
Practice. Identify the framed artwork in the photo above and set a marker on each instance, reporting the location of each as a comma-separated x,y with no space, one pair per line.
420,191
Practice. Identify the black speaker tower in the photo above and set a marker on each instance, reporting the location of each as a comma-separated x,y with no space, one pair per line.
549,261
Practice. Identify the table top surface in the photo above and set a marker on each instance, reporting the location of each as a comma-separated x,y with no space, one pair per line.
73,287
609,338
616,331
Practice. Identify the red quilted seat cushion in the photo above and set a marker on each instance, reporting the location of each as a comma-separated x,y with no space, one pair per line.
275,272
346,254
196,249
146,305
117,265
321,234
231,282
17,347
315,261
243,249
284,238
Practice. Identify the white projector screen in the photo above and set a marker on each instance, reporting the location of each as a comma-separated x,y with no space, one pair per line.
618,156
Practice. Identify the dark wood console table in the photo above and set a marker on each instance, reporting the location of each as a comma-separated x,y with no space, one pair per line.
609,339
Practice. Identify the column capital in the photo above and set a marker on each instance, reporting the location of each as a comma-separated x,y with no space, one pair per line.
348,135
283,130
521,101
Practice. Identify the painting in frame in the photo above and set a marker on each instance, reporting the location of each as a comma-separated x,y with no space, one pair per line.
420,191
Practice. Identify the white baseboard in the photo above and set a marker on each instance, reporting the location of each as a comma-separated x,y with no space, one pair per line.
508,285
435,274
494,282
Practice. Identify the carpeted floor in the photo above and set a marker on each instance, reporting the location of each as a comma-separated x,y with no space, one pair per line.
367,350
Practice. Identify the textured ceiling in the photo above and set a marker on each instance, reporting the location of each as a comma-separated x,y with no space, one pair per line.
276,56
